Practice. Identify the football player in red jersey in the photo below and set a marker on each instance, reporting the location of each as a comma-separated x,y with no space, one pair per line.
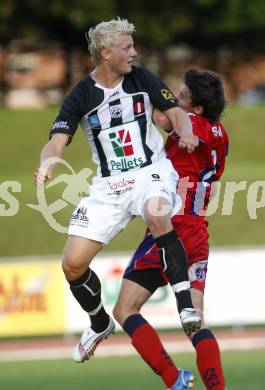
202,96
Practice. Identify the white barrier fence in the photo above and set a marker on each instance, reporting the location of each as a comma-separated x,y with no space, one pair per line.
35,299
233,296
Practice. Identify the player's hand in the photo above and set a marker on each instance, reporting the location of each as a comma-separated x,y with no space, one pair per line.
41,175
189,142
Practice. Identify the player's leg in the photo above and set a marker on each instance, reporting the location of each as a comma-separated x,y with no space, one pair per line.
96,220
143,336
158,201
78,254
86,288
194,233
84,283
157,213
208,357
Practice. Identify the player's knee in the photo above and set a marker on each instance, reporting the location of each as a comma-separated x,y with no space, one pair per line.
118,314
157,211
159,225
72,266
69,270
121,313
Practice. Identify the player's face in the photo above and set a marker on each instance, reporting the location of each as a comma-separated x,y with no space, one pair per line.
184,98
122,55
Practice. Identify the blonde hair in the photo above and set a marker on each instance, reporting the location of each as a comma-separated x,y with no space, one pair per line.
106,34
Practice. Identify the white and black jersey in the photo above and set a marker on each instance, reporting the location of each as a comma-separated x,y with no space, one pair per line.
117,122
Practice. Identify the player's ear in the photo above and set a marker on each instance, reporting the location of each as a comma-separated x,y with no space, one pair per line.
198,110
105,53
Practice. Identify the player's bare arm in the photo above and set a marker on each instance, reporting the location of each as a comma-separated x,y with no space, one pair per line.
183,127
161,120
54,148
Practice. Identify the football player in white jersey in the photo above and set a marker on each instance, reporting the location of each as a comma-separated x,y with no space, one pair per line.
113,105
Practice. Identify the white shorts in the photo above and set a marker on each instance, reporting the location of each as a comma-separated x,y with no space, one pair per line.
114,201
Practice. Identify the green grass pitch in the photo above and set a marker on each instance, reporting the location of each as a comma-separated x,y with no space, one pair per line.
25,133
243,370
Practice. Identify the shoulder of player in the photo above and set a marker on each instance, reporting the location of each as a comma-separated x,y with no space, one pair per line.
139,79
85,95
201,127
208,133
142,73
84,86
138,70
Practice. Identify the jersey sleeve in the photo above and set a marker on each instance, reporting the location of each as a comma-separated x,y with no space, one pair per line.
160,95
71,111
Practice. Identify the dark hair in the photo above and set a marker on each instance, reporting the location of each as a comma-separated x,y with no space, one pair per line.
207,91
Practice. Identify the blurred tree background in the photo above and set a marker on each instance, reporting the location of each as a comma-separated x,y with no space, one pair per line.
204,24
43,52
218,34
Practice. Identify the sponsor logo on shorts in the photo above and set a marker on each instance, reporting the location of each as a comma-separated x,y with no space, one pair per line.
120,187
79,217
116,185
120,192
155,177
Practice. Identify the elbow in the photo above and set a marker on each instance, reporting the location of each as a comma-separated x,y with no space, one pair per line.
162,121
